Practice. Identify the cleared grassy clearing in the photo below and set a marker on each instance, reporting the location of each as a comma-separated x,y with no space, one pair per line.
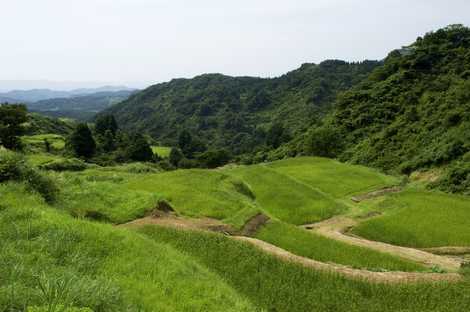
332,177
418,218
284,198
57,141
42,158
162,151
103,198
281,286
200,193
317,247
84,264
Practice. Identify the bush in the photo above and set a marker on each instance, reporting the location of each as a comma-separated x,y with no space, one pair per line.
456,179
41,183
11,165
71,164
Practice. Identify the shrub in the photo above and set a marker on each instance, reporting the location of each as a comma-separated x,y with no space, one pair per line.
71,164
456,179
140,168
40,183
11,165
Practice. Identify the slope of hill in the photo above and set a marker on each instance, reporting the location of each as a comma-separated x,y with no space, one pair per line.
412,113
238,112
415,110
38,124
82,107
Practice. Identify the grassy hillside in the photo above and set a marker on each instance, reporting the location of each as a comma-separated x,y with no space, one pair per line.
283,286
51,260
39,124
60,259
237,112
419,218
284,198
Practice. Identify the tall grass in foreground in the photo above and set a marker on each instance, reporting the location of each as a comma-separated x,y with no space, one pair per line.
50,261
280,286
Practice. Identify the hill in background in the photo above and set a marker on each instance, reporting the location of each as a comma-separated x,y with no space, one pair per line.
237,113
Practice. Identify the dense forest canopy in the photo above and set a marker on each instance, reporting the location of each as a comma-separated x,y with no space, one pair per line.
239,113
414,111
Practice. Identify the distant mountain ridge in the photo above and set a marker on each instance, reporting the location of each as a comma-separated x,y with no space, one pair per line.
81,107
34,95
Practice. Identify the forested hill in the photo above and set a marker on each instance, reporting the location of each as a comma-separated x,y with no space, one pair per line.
239,113
411,113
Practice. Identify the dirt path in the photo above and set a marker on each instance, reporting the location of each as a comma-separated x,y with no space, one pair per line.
168,220
377,277
207,224
374,194
336,227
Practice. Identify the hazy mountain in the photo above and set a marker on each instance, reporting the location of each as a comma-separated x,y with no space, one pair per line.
34,95
82,107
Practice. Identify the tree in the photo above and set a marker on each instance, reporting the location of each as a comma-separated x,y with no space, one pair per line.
276,136
82,142
108,141
215,158
106,123
184,140
325,142
175,156
11,119
139,149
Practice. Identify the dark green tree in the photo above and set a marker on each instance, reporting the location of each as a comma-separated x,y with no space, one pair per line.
214,158
108,141
106,123
12,118
139,149
184,140
175,156
82,142
276,135
325,141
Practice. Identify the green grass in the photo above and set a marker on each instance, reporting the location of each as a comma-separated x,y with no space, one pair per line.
277,285
162,151
284,198
96,266
105,198
332,177
317,247
57,141
38,159
418,218
199,193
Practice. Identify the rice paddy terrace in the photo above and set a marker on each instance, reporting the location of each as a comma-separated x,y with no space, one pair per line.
301,234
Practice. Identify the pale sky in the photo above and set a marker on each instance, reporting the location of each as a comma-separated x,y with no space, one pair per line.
141,42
